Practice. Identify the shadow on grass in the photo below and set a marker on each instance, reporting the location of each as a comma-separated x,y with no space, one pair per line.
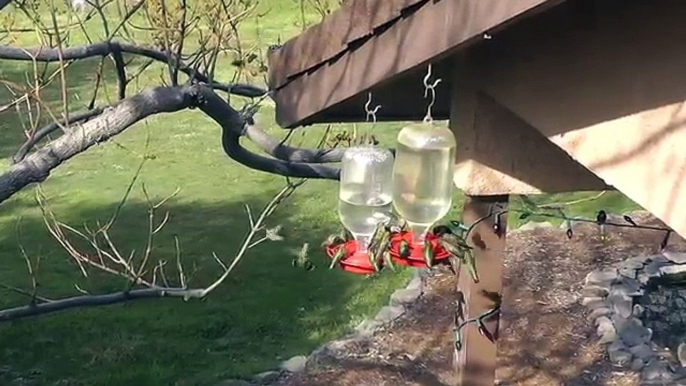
266,311
80,77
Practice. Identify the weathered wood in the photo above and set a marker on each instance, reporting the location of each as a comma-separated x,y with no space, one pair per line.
319,70
476,361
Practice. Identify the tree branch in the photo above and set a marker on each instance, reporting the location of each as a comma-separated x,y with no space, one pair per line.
291,154
234,126
96,300
51,127
121,71
44,54
37,166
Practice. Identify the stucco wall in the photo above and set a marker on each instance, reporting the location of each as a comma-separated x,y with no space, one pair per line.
609,89
499,153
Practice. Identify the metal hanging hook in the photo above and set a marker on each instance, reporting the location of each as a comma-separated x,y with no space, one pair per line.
371,113
430,88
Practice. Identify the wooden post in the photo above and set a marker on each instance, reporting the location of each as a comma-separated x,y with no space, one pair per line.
476,361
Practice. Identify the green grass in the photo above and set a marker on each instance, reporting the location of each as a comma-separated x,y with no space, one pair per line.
265,312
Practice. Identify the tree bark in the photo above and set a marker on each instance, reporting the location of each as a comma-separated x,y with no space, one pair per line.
37,166
94,301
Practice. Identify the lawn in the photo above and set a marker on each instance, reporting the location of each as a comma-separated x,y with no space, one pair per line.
266,312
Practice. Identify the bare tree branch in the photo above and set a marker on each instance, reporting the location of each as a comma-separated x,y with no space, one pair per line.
233,127
96,300
121,71
112,121
37,166
49,128
43,54
291,154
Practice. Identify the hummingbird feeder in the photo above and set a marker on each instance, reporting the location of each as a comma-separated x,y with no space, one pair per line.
414,255
417,183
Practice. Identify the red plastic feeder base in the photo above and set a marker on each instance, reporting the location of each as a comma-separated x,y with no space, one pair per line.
416,257
353,262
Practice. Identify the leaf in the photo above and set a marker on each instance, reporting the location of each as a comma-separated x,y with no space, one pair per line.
404,249
484,331
528,202
273,233
428,254
524,215
340,253
458,339
630,220
601,218
665,241
388,261
440,230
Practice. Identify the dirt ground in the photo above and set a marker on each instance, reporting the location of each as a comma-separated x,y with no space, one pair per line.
545,337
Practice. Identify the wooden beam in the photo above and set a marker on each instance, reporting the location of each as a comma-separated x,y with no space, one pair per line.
611,95
498,152
307,83
476,360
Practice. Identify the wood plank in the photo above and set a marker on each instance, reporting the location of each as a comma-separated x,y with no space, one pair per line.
447,24
476,360
494,146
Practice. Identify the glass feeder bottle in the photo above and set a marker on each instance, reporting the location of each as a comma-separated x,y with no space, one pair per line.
365,191
423,176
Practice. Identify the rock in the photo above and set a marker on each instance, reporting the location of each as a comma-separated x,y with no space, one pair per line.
621,303
234,382
267,377
633,263
602,278
367,328
389,313
415,284
642,351
633,333
423,272
618,354
638,310
673,318
595,291
657,370
637,364
531,225
606,330
661,259
294,365
656,308
675,257
405,296
653,269
598,312
673,272
594,305
627,272
591,300
681,354
643,277
630,287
